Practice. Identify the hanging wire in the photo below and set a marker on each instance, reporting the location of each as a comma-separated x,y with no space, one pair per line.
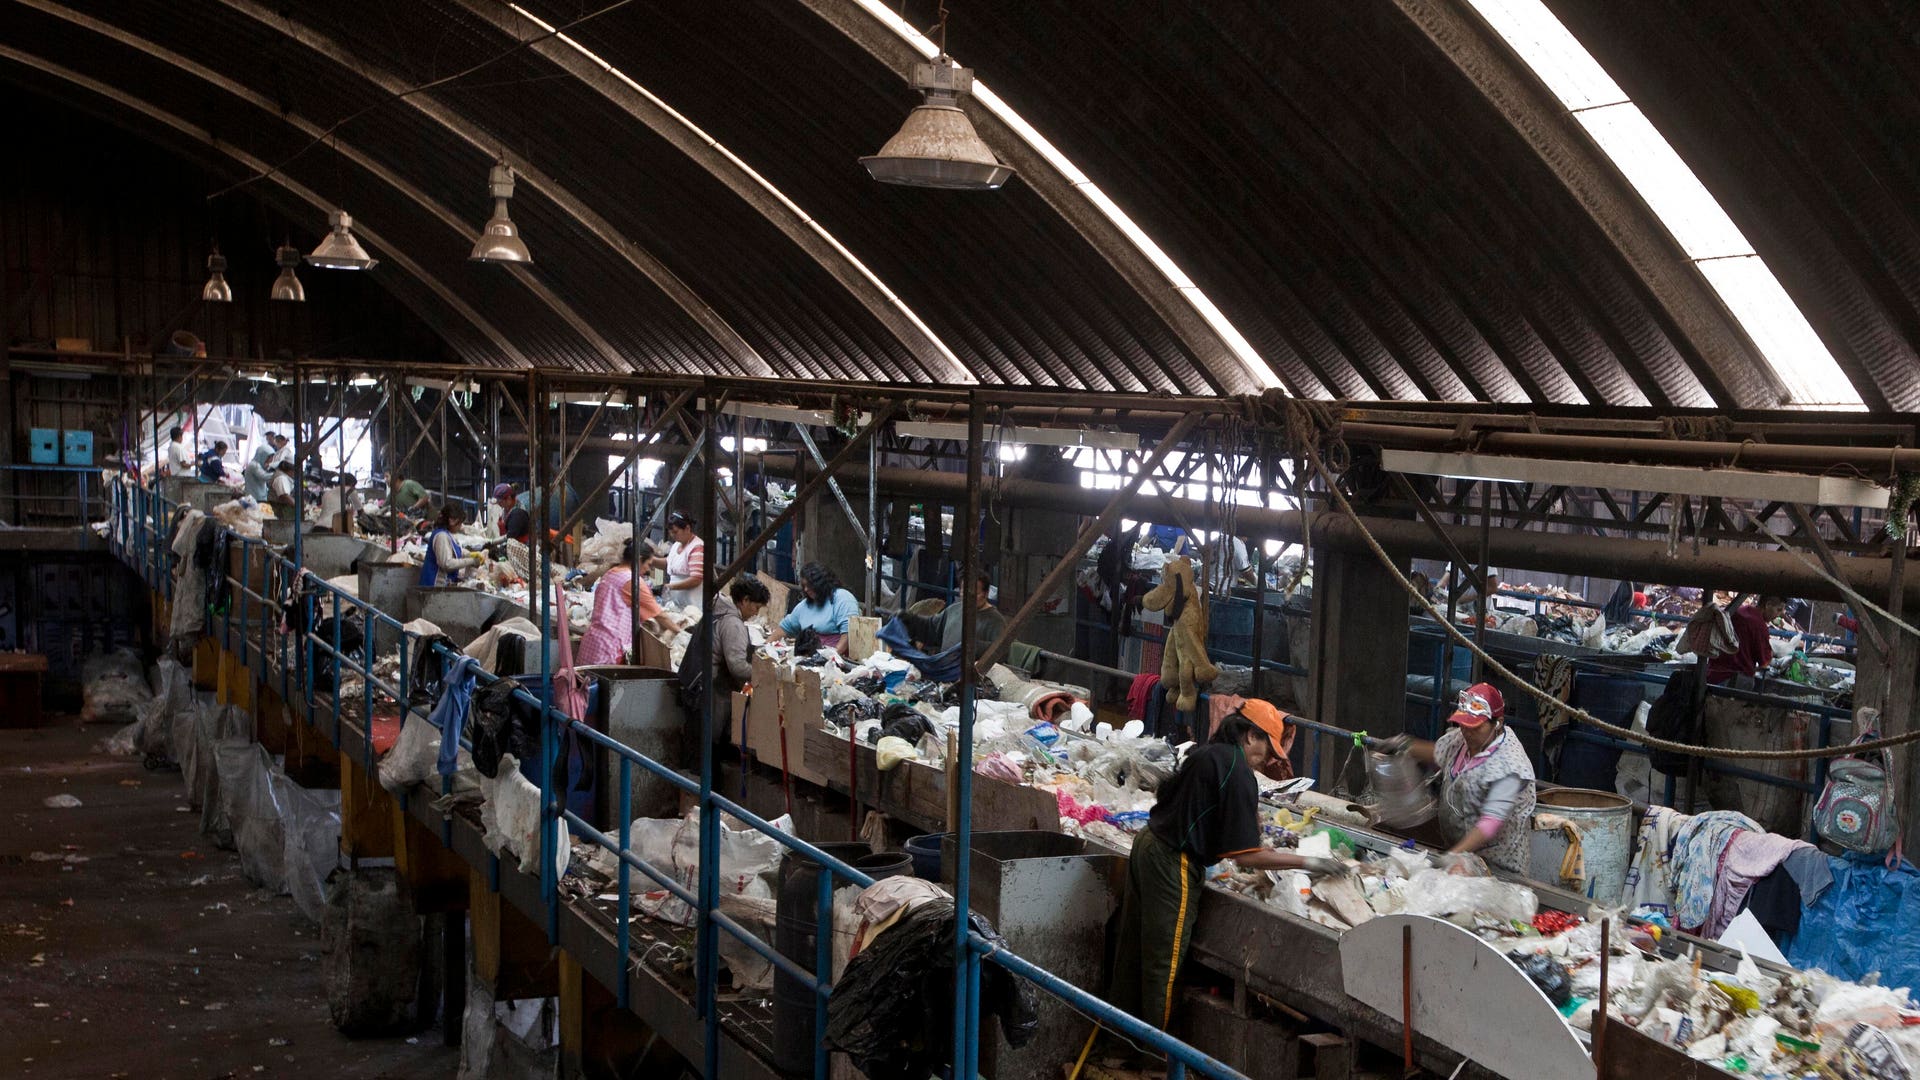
397,95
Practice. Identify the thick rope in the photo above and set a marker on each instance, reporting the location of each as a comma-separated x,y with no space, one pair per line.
1548,699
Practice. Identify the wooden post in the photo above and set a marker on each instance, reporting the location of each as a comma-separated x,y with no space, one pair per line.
366,820
438,877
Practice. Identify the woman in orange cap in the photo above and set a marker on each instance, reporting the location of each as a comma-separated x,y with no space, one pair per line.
1207,811
1486,780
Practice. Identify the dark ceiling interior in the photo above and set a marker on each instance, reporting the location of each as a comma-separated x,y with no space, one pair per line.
1372,192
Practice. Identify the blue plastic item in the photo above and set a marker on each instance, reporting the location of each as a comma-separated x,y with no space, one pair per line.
925,851
76,448
1867,920
43,446
940,667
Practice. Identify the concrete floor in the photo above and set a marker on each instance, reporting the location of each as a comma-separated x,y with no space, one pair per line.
130,947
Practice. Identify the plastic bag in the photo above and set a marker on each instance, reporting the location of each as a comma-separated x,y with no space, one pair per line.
1436,892
172,695
113,687
1547,974
511,819
749,859
310,828
258,832
892,1009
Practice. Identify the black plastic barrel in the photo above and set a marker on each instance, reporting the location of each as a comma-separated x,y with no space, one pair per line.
796,919
1585,761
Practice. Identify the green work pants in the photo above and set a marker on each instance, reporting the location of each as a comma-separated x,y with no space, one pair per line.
1156,927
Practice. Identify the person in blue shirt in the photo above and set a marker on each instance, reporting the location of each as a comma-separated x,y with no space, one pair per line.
445,559
213,466
824,609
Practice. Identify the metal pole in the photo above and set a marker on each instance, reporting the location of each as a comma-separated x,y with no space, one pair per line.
962,775
709,953
873,526
1600,1011
1486,598
1070,561
395,387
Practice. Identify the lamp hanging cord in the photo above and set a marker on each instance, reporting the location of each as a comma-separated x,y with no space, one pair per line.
1545,698
410,91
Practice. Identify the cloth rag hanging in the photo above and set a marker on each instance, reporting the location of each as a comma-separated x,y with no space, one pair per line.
1697,848
1140,694
1650,877
1749,857
450,712
1812,870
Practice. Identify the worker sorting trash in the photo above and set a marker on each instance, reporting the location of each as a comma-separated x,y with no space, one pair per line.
1208,812
1486,781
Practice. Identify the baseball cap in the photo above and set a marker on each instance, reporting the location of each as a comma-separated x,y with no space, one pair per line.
1267,719
1479,703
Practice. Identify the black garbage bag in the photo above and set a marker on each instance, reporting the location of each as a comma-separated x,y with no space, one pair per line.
1547,974
869,685
429,670
852,712
806,643
501,724
902,721
326,666
892,1010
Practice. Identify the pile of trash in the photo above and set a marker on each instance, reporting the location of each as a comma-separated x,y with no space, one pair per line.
113,687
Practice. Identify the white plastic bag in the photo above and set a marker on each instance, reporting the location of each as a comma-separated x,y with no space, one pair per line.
113,687
258,832
511,817
310,828
1436,892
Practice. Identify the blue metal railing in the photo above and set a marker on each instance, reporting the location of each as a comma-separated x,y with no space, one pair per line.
137,536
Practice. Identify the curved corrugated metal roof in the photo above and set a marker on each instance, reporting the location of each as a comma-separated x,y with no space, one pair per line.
1373,193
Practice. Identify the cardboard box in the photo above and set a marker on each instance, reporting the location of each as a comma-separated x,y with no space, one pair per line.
780,701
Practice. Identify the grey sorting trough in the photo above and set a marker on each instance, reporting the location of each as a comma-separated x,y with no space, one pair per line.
461,614
1050,896
643,711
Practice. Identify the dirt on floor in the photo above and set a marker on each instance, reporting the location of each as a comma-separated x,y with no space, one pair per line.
131,947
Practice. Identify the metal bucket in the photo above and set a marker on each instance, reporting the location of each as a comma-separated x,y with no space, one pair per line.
1604,822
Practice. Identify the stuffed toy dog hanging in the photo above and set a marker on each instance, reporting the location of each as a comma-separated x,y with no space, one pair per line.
1183,660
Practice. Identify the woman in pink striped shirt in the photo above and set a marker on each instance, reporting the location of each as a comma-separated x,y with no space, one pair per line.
616,600
685,562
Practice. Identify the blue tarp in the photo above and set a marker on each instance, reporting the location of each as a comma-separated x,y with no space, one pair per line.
943,666
1868,920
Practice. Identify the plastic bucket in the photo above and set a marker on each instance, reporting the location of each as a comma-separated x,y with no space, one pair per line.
1604,822
925,852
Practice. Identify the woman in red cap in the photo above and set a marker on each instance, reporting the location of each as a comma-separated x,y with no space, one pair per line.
1486,780
1207,811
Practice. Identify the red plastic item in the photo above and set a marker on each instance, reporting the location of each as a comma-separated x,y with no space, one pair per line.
1555,922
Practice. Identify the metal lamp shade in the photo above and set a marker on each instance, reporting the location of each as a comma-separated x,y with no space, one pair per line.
287,286
938,148
499,240
339,250
216,290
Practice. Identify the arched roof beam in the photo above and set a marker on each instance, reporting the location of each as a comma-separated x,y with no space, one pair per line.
241,157
689,301
1735,373
621,90
610,356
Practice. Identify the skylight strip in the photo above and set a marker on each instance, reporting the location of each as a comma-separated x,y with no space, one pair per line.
1696,220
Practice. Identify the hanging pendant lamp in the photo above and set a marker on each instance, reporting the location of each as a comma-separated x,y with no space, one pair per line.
338,250
499,240
287,286
937,147
216,290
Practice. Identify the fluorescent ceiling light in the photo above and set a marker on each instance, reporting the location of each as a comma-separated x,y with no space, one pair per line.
462,386
1779,330
787,414
1801,488
620,399
1030,436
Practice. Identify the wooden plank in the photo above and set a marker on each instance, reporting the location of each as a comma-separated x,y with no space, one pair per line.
509,952
206,664
436,873
366,814
862,637
917,793
798,701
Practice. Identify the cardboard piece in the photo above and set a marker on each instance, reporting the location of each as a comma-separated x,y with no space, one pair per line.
862,637
796,696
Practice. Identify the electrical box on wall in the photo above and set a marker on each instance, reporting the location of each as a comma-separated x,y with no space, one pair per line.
76,448
43,446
